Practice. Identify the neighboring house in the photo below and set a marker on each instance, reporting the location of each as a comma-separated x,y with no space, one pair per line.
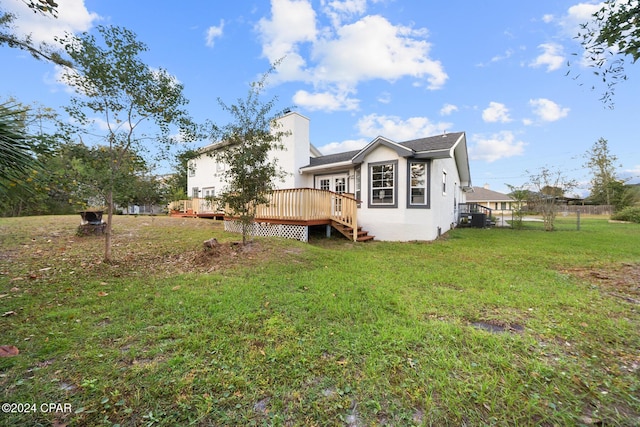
397,191
497,202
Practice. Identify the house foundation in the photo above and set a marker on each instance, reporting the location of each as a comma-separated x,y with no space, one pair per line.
266,229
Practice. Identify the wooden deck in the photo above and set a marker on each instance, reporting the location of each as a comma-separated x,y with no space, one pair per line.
298,206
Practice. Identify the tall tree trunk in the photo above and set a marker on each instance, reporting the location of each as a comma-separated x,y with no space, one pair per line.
107,236
245,230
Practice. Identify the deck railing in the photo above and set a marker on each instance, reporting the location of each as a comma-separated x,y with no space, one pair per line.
295,204
308,204
195,206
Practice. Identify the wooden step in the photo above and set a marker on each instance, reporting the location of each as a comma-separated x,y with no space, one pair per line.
365,238
362,235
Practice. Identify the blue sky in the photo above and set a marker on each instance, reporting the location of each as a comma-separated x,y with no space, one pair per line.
361,68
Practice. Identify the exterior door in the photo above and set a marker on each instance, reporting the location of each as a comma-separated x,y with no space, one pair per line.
336,183
206,205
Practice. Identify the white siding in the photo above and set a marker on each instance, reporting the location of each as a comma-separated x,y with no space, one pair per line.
403,224
208,173
296,151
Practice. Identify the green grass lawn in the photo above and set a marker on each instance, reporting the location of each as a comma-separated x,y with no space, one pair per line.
483,327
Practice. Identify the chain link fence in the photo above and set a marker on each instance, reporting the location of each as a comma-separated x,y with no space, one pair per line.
565,220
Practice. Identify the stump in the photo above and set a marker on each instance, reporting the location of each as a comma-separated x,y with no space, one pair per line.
211,244
91,229
92,223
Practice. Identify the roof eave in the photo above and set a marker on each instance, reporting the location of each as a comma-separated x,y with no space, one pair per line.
309,169
402,151
433,154
461,155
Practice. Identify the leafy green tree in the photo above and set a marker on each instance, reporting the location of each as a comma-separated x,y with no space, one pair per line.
131,98
245,146
89,170
148,190
16,158
73,176
520,196
41,51
612,36
43,6
606,187
623,195
176,182
36,193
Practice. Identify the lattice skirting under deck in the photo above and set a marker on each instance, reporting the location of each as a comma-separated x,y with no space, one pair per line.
264,229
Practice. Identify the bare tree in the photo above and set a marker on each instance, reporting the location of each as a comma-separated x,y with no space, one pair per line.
548,188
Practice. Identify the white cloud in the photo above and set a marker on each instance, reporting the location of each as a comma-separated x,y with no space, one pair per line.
547,110
391,127
384,98
578,15
574,22
73,17
447,109
496,112
373,48
547,18
632,174
56,78
495,147
552,56
341,147
506,55
325,101
213,33
336,59
501,57
397,129
292,22
338,11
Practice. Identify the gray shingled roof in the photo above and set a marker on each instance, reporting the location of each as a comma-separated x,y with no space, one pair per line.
481,194
432,143
332,158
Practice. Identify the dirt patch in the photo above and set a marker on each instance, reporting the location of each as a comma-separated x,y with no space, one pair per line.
227,255
621,281
46,248
498,327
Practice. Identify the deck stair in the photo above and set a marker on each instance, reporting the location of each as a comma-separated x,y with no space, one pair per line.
345,230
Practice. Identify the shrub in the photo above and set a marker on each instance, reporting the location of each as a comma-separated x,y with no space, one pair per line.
631,213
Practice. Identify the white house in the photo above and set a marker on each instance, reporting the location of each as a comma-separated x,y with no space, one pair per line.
396,191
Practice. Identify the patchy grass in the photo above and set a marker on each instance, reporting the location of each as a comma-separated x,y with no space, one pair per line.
484,327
